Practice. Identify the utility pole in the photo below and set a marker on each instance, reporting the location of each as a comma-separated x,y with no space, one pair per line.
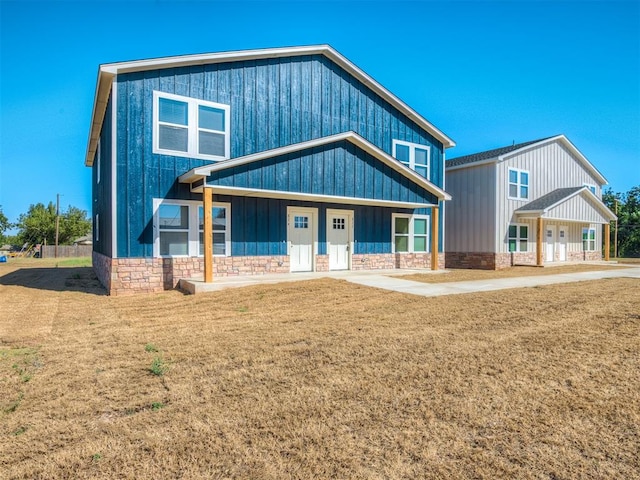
57,222
615,237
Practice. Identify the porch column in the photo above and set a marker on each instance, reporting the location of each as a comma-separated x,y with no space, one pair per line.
607,239
539,242
434,238
207,196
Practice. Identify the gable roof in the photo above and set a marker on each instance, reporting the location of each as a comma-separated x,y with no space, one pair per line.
546,203
500,154
107,73
198,175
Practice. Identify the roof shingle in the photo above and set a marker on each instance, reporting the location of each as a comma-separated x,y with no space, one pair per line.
496,152
549,199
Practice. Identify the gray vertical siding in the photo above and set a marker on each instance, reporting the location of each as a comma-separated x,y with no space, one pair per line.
470,225
550,167
273,103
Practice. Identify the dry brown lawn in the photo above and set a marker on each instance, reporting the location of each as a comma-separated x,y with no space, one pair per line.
317,379
465,274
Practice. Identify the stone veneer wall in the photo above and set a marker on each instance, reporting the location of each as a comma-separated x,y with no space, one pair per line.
478,260
499,261
121,276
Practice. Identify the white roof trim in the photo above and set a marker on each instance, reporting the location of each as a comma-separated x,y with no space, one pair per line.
584,190
312,197
203,172
107,73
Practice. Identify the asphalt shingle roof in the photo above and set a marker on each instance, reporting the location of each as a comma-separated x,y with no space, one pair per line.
496,152
549,199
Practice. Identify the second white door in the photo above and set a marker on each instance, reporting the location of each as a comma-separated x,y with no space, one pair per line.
339,233
301,238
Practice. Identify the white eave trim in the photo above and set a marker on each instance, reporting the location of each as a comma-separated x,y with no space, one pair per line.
202,172
311,197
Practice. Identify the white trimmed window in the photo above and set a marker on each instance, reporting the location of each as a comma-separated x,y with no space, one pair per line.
188,127
588,239
518,184
591,187
415,156
178,228
410,233
518,238
98,154
96,227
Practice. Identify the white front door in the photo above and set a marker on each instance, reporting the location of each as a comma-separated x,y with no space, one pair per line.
301,231
562,244
339,228
550,244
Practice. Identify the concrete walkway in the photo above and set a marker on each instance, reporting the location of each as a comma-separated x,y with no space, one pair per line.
388,280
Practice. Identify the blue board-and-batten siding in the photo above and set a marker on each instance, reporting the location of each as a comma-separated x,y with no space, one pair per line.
273,103
336,169
102,191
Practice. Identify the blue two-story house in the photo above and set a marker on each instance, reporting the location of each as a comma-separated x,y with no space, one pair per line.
259,161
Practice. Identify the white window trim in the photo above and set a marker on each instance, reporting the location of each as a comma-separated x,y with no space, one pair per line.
192,127
518,183
411,233
592,187
518,238
412,155
98,155
193,247
589,230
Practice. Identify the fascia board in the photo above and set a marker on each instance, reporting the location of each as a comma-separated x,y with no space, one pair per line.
472,164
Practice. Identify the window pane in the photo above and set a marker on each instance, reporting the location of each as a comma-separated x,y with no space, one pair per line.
402,153
513,190
421,170
512,245
524,178
219,215
173,111
211,143
173,217
592,234
585,245
585,234
420,156
219,246
513,231
513,176
174,243
420,244
173,138
524,192
211,118
420,226
524,232
402,244
402,225
523,245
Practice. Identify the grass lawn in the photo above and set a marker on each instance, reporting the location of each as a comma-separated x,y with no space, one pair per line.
316,379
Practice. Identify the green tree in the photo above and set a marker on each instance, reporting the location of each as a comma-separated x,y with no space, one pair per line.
628,220
39,224
4,226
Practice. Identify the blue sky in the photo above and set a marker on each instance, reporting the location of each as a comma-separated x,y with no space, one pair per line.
485,73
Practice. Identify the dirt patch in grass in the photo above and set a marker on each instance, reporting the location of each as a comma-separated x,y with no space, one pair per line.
465,274
321,379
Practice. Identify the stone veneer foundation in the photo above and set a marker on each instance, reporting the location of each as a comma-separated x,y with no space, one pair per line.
499,261
122,276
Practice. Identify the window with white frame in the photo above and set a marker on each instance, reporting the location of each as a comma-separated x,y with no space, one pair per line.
518,184
189,127
413,155
96,227
410,233
518,238
589,239
591,187
221,237
180,224
98,153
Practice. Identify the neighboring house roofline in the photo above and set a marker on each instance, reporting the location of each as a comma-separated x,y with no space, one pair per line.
504,153
107,73
200,173
542,205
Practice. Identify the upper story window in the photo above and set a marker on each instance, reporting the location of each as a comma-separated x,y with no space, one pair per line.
188,127
591,187
518,184
415,156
